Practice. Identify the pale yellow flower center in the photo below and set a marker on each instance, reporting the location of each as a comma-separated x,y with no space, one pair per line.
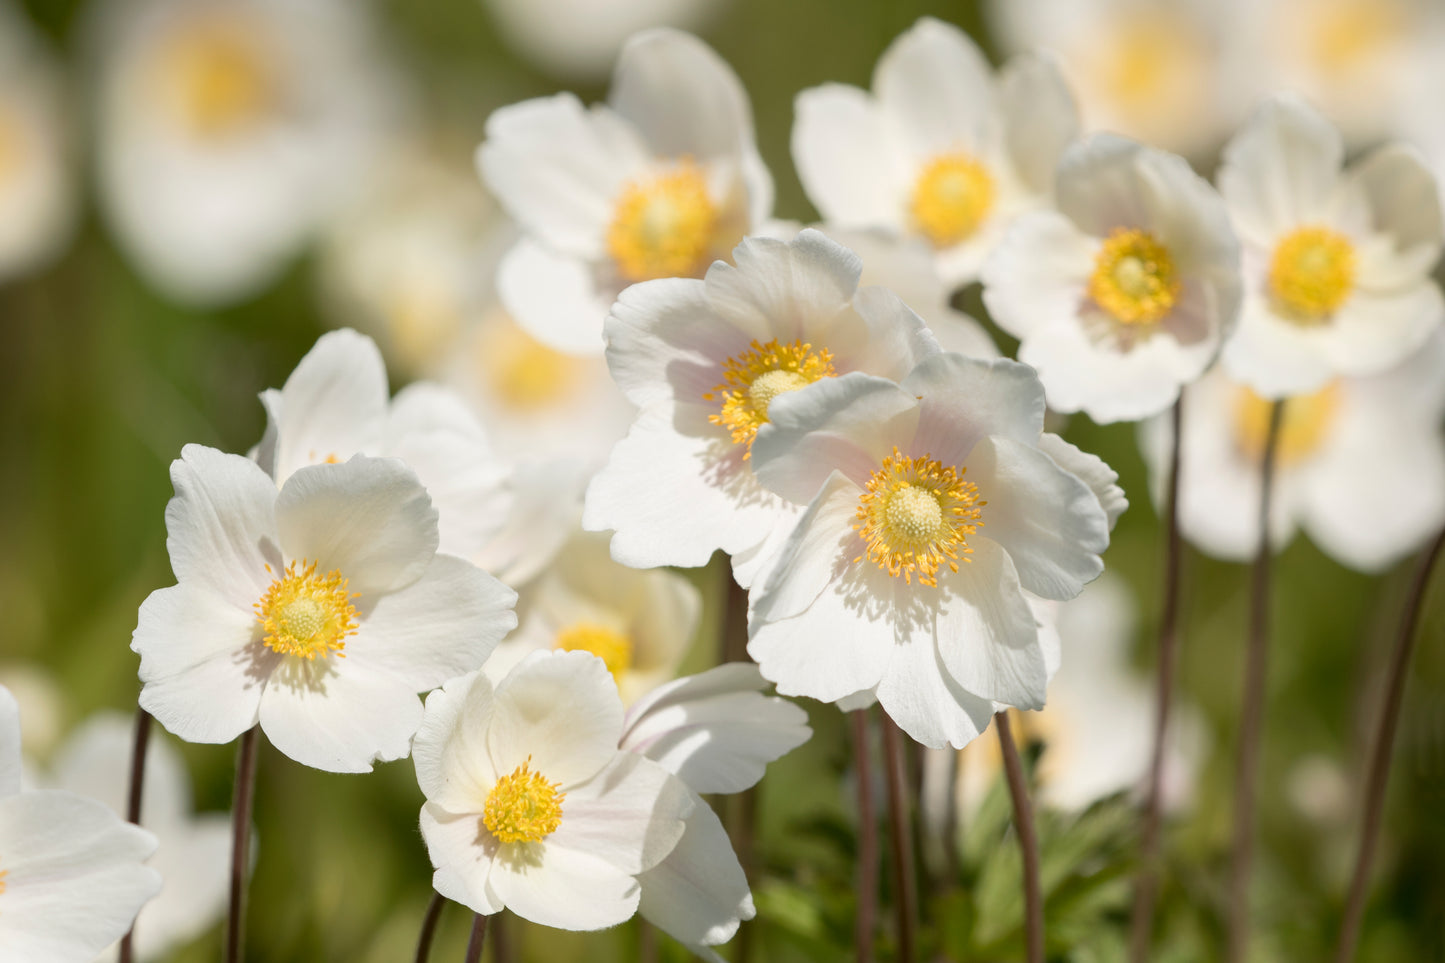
952,198
1344,34
523,372
1145,55
753,378
3,874
423,317
219,76
1134,279
306,614
523,807
1306,423
915,515
612,647
664,226
1311,274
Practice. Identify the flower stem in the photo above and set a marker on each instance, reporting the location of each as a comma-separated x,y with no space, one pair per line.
1147,883
865,918
1381,750
1018,790
429,926
905,896
240,841
479,936
133,801
742,808
646,943
1252,713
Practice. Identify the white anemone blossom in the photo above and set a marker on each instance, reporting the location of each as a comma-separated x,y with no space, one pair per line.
658,182
72,873
704,360
941,149
936,504
1337,260
318,611
1126,291
1361,464
531,806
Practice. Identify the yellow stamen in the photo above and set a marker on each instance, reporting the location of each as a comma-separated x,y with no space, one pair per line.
306,614
952,197
1134,279
523,807
523,372
915,515
1311,274
752,379
664,227
218,76
1307,422
3,874
613,648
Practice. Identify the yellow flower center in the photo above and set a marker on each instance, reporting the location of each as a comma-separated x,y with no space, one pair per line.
307,614
523,807
423,317
915,515
218,76
1307,422
952,197
1311,274
3,874
613,648
523,372
1134,279
1346,34
1145,54
663,227
752,379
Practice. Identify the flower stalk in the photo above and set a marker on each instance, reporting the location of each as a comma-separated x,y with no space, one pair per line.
429,927
478,937
1018,791
865,918
245,791
136,791
905,893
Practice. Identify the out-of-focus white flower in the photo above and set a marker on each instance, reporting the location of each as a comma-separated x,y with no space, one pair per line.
42,707
531,806
1125,292
940,149
72,876
319,610
1361,464
639,622
229,130
939,502
37,194
704,360
194,852
1336,261
658,182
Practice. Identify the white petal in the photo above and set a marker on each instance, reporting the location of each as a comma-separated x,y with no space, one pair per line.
546,508
333,404
1373,332
936,90
1282,169
841,151
698,894
554,296
562,710
1102,480
95,762
194,863
793,290
369,518
1403,198
1273,355
339,714
918,694
462,851
449,751
630,814
1040,117
562,888
987,637
965,399
1037,273
897,338
9,744
818,550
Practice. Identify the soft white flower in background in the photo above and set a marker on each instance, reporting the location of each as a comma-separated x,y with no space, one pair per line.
1126,291
639,622
1337,260
37,192
658,182
936,503
42,707
941,149
194,853
229,130
319,610
530,804
72,873
1361,464
704,360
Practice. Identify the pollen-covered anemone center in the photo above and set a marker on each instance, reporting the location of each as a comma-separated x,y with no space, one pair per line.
664,226
1311,274
952,197
915,515
1134,279
612,647
1306,423
307,614
752,379
523,372
219,77
523,807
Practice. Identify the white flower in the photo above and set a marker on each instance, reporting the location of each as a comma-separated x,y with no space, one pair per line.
194,854
659,182
37,196
531,806
703,360
319,611
229,130
1337,261
1125,292
941,149
939,502
1361,464
71,872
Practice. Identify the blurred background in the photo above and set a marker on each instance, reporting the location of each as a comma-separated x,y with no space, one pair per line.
171,244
